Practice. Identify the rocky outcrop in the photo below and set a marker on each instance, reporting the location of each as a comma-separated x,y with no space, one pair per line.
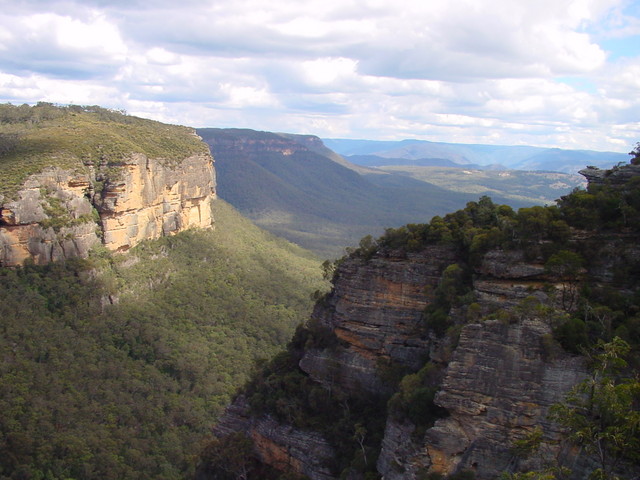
237,141
616,177
499,386
148,199
501,377
280,446
52,219
499,366
376,311
60,214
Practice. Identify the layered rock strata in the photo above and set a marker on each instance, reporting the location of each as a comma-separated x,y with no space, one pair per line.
280,446
615,177
53,218
499,386
376,311
501,375
60,214
149,200
500,379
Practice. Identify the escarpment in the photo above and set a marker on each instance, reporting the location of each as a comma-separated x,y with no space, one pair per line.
61,214
498,388
468,329
375,311
148,199
82,196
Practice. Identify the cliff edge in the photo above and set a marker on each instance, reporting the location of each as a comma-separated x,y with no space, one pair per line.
72,189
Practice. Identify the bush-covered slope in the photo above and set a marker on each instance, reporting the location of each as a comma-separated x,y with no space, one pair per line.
116,367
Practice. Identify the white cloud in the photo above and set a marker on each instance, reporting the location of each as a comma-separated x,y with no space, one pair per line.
59,45
510,71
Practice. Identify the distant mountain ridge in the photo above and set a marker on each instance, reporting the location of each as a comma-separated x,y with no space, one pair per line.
298,188
493,156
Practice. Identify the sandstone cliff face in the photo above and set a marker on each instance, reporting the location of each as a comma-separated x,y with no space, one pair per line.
51,219
499,386
149,200
500,379
61,214
375,310
501,374
237,143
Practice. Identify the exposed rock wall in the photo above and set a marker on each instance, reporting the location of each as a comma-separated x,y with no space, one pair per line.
615,177
61,214
149,200
500,379
51,219
499,386
501,375
376,310
280,446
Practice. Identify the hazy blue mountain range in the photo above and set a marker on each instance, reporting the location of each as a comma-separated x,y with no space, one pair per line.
298,188
424,153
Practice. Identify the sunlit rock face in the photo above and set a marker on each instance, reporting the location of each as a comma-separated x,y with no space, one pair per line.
149,200
61,214
52,218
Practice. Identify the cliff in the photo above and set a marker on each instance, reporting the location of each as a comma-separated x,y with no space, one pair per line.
469,327
76,200
618,176
375,310
498,388
148,199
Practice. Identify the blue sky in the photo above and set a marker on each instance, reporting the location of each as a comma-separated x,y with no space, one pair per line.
561,73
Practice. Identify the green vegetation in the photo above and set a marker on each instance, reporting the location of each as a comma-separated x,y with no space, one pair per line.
353,425
604,207
118,366
310,198
593,312
582,312
635,155
414,399
35,137
600,415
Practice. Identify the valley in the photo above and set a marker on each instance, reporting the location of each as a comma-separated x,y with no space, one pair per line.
295,187
234,304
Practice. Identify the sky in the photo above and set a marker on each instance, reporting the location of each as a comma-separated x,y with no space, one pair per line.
554,73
